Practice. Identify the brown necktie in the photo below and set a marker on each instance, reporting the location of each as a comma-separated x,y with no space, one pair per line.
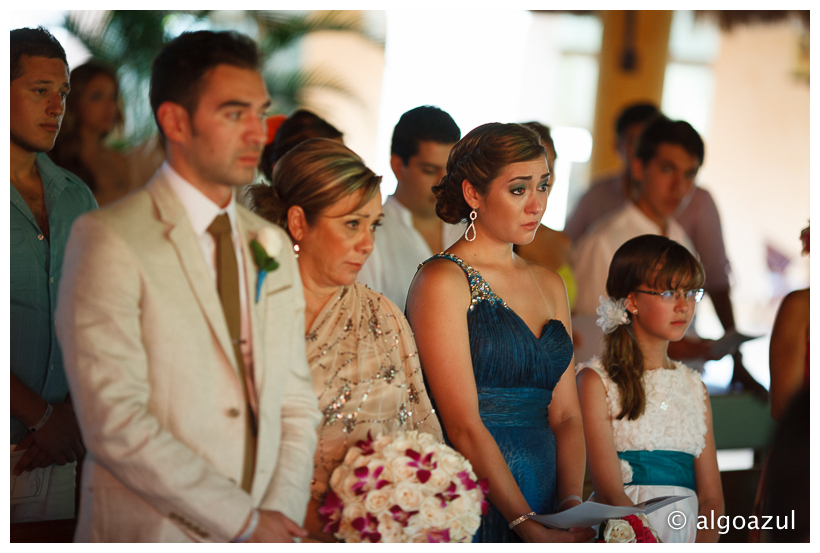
227,283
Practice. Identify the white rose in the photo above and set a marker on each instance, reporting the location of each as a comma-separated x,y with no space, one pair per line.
352,454
269,239
452,463
431,513
377,500
401,470
381,442
618,531
626,471
472,522
458,531
402,444
462,506
407,496
438,482
425,439
352,511
347,485
337,477
391,531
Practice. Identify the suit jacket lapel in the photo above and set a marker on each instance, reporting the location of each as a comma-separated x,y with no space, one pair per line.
186,243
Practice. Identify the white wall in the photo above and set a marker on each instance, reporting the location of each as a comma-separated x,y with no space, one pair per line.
757,168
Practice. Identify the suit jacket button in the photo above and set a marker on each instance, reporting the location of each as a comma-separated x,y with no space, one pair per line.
233,412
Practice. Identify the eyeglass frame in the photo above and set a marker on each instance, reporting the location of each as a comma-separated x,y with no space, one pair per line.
674,297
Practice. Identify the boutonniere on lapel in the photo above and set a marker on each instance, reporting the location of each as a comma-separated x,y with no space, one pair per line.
264,247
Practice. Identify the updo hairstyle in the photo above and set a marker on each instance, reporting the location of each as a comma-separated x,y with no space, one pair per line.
479,157
314,175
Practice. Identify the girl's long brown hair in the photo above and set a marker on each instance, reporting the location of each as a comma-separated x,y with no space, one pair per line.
655,262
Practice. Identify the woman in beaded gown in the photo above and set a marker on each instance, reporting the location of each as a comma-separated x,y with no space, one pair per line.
360,348
493,335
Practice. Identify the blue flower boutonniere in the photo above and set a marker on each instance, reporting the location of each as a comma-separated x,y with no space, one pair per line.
264,247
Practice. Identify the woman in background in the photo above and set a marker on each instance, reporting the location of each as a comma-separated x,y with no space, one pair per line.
92,112
789,346
298,127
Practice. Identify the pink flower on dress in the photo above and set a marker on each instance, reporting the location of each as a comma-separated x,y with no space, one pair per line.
368,528
448,495
425,465
401,516
331,512
368,481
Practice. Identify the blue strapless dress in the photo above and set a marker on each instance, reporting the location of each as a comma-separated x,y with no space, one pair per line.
515,373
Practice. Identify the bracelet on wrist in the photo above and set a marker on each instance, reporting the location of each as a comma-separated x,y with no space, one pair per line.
43,420
521,519
570,498
250,529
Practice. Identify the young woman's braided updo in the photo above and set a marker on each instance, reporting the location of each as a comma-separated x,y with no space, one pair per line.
479,158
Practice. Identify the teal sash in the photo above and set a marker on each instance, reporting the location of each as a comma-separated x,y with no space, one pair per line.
660,468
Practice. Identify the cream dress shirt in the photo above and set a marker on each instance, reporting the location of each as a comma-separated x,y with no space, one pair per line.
398,251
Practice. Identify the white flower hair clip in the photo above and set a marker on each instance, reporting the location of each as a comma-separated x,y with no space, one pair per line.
612,314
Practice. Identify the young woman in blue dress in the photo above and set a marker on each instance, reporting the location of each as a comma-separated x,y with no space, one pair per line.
492,331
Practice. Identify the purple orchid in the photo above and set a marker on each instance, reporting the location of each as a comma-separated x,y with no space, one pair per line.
425,465
469,483
448,495
366,445
368,528
331,512
368,481
400,515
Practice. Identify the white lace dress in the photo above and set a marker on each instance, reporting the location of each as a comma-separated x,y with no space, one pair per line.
674,420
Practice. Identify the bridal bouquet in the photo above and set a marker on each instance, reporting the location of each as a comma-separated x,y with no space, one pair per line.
629,529
404,488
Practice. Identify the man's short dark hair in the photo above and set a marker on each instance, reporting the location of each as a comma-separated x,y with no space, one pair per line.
634,114
424,123
179,69
33,42
665,131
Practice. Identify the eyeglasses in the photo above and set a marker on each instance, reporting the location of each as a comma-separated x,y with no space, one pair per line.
674,295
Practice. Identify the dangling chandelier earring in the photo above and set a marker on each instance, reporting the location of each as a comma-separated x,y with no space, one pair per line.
473,216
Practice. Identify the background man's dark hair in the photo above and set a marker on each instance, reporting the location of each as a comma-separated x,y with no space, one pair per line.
33,42
635,113
178,70
424,123
665,131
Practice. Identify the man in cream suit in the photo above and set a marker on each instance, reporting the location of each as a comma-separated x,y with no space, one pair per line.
191,387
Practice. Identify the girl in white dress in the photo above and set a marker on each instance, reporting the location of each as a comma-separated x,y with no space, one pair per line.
647,419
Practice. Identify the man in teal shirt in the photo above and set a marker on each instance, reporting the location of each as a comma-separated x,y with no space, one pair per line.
45,200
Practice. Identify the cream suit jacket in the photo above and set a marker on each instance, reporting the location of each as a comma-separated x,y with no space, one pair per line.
146,348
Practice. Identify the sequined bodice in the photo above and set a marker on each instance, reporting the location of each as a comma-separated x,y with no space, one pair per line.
504,351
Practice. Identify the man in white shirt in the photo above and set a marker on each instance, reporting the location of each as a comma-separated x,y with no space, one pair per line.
669,154
411,231
191,384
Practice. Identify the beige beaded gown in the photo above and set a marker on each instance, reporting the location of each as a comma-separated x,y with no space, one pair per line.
367,377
